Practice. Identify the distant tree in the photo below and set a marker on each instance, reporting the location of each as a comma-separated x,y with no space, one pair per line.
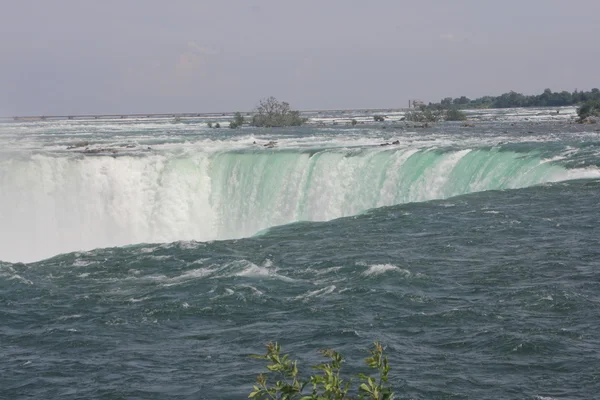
217,125
565,98
238,120
461,100
513,99
354,122
271,113
446,102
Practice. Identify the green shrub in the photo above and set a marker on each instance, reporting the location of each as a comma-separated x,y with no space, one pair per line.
238,120
454,114
424,115
217,125
590,108
326,384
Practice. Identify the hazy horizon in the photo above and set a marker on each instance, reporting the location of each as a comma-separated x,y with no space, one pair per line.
74,57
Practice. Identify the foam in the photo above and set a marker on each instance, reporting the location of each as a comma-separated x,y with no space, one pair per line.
20,279
378,269
254,271
317,293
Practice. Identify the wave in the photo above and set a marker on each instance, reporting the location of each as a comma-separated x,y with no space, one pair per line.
57,204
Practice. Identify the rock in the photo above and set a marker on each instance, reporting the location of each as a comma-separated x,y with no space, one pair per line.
271,144
588,120
396,142
100,150
78,144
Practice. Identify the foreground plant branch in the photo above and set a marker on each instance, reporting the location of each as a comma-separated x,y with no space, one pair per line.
326,384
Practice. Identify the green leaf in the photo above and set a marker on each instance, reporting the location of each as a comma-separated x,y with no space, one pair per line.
364,388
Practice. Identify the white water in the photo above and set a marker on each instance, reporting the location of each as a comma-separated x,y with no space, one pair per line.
54,204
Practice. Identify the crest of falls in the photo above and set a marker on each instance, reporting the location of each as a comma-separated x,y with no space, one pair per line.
56,204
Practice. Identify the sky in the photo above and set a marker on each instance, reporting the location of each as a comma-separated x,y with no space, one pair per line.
66,57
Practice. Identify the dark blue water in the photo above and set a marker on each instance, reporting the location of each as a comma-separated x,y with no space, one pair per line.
484,296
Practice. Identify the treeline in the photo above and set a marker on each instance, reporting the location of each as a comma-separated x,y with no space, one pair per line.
514,99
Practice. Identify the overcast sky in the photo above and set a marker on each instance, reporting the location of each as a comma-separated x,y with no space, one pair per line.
127,56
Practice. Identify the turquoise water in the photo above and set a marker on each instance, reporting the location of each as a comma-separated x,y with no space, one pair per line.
473,254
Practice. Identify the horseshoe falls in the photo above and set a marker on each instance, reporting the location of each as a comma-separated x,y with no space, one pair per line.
63,203
146,258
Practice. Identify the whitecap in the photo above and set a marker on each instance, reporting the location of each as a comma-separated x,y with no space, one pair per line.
133,300
20,279
82,263
317,293
245,268
378,269
146,249
255,271
254,290
66,317
189,245
189,275
228,292
160,258
326,270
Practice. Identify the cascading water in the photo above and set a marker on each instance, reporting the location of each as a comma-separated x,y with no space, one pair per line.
53,204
